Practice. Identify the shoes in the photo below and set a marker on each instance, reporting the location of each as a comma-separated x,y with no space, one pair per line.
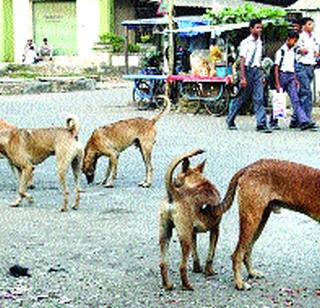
308,125
263,129
275,127
293,125
232,126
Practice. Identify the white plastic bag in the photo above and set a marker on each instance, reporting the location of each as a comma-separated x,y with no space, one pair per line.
278,104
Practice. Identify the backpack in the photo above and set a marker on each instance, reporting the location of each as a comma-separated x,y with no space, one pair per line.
271,78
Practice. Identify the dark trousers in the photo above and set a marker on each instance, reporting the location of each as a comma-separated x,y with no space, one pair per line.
305,76
255,90
288,84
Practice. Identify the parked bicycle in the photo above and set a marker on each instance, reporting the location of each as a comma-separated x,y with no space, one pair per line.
146,90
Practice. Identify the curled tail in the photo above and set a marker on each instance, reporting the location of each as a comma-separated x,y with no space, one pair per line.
164,111
226,203
169,174
73,125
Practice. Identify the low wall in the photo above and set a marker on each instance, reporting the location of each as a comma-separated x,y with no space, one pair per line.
13,86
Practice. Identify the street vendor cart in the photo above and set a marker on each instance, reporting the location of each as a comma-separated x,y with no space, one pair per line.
212,87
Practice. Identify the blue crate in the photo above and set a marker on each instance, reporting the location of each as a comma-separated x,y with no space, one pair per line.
223,71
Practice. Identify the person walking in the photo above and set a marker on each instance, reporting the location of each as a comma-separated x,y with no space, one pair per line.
285,79
251,79
307,51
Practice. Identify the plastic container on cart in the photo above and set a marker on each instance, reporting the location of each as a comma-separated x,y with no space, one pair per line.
222,70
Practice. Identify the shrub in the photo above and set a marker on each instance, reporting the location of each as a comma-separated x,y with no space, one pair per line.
116,41
134,48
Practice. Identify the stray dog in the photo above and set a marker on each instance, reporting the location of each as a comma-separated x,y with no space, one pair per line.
25,148
5,126
112,139
188,208
263,185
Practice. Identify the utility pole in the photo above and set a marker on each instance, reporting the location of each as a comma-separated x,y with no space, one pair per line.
171,43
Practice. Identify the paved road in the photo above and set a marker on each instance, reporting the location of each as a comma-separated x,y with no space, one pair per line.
106,254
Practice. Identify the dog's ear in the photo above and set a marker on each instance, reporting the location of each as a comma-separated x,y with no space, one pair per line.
200,167
185,165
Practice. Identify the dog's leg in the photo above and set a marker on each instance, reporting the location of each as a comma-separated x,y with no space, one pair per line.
108,171
250,218
113,161
196,262
165,235
62,162
146,151
76,169
214,235
26,175
247,258
184,232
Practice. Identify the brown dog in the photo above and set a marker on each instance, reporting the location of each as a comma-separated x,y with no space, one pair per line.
263,185
5,128
112,139
188,207
26,148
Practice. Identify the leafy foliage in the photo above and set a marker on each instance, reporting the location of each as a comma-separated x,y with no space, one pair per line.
243,13
116,41
134,48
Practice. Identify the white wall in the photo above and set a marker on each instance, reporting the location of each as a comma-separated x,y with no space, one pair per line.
22,14
88,20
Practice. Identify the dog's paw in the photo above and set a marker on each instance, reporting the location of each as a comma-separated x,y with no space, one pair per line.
169,287
75,208
15,204
144,185
63,210
108,185
32,186
197,268
209,272
244,286
187,287
256,275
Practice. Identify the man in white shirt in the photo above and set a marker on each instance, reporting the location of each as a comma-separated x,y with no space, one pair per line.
30,53
251,78
307,51
285,79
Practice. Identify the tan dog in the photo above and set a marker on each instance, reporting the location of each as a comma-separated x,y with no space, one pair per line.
112,139
26,148
188,208
5,126
263,185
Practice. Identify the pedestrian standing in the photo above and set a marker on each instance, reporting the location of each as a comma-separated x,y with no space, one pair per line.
285,79
307,51
251,79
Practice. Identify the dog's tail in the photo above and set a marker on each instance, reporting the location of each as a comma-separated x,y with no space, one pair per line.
173,165
227,201
164,111
73,124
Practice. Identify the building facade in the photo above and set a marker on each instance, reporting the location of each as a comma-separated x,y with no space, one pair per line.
71,26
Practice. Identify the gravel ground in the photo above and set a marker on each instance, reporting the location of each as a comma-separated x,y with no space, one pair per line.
106,254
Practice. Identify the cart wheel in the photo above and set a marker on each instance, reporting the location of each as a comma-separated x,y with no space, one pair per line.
159,90
142,94
219,105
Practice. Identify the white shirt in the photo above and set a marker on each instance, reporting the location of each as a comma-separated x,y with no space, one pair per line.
251,50
289,55
30,57
309,42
